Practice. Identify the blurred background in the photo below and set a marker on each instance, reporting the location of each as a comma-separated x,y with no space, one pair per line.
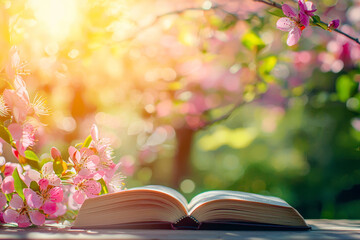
200,95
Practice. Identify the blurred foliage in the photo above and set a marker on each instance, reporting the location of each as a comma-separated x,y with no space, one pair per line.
145,71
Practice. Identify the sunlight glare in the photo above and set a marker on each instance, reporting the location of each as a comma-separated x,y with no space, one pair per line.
56,16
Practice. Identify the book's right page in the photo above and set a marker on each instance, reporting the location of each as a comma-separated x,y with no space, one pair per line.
226,194
233,207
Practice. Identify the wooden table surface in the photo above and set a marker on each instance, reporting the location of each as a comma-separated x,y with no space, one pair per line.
321,229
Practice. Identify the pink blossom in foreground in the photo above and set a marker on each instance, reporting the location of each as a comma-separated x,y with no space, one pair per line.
20,213
85,188
46,198
85,161
294,23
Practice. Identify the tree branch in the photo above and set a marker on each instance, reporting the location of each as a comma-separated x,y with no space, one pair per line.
222,117
270,3
277,5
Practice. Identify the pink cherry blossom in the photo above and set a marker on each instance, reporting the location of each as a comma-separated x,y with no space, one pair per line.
45,199
22,214
23,135
85,188
85,161
294,23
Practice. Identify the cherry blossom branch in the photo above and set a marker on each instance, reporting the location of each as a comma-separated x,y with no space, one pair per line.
177,12
279,6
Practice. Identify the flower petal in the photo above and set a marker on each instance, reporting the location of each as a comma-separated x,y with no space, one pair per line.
3,200
74,154
304,19
56,194
23,221
43,184
79,197
310,7
53,179
92,188
31,175
37,218
94,132
10,216
16,202
294,36
32,198
47,169
285,24
302,5
49,207
289,11
16,131
7,185
55,153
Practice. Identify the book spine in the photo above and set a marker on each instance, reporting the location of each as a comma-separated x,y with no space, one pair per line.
186,222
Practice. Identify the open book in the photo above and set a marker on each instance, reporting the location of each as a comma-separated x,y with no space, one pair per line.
159,207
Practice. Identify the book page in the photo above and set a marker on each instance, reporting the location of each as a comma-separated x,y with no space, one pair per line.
168,191
234,195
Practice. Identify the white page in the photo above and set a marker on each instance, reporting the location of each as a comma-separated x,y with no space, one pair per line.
234,195
168,191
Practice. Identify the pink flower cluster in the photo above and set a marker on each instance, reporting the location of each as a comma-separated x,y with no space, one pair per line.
297,20
31,194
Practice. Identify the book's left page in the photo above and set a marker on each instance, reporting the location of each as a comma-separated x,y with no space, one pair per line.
151,205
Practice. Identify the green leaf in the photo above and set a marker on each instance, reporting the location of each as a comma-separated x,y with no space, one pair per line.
252,41
31,155
9,196
104,189
79,145
58,166
322,25
19,184
345,87
276,12
34,164
316,19
87,141
32,159
34,186
5,134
